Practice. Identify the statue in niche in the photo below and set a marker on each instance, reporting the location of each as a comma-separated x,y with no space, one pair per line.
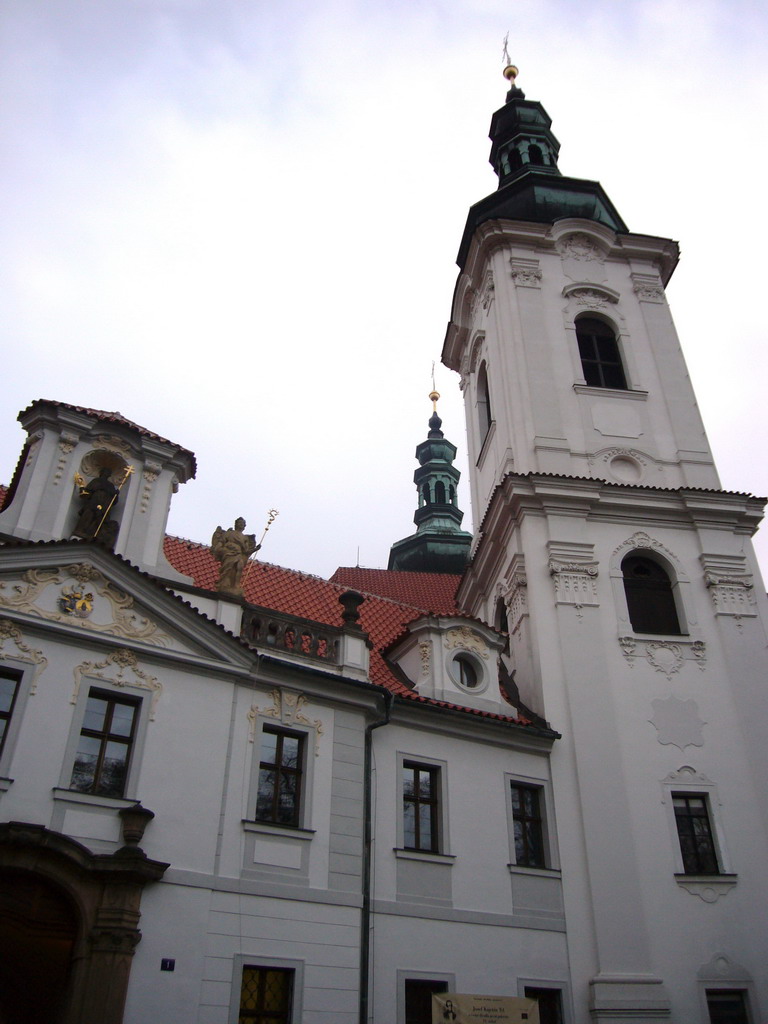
232,548
98,496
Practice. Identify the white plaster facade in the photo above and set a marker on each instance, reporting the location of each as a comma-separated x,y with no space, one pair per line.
568,480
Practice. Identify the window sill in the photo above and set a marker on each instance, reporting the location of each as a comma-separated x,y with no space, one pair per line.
268,828
425,855
633,395
486,445
708,888
73,796
522,869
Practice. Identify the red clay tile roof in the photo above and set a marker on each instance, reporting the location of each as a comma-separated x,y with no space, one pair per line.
434,592
381,616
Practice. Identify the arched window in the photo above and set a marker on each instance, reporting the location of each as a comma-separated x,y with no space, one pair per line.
425,494
600,356
439,493
650,599
484,417
535,156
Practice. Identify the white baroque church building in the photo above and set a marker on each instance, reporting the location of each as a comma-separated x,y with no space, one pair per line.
529,762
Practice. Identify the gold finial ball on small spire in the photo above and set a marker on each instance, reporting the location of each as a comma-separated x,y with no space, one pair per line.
510,73
433,397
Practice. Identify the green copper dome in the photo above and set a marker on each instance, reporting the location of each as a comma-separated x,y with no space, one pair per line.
524,156
439,544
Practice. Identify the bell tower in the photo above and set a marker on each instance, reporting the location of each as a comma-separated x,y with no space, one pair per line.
625,576
439,544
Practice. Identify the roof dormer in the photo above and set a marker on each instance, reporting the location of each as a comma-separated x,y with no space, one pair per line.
96,476
453,659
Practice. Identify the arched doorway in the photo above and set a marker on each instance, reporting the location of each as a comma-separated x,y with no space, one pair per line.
38,930
72,924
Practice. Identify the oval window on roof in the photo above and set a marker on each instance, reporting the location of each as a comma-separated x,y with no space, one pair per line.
466,671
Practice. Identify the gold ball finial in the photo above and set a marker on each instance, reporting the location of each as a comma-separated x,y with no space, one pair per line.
433,397
510,72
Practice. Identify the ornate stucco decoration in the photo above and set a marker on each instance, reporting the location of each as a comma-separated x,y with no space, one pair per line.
642,540
67,443
722,968
465,638
731,594
627,465
575,582
649,293
589,295
32,445
648,288
425,655
677,722
487,290
475,355
515,594
40,592
114,444
10,633
150,474
628,644
76,601
710,890
578,246
665,656
287,709
106,454
525,273
121,668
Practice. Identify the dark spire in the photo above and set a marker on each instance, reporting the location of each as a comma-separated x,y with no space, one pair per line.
439,544
524,155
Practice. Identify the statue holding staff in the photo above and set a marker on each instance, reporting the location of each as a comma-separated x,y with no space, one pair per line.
232,548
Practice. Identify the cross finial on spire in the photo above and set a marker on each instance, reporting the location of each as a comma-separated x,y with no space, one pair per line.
505,53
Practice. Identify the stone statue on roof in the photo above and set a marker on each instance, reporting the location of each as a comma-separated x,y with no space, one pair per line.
232,548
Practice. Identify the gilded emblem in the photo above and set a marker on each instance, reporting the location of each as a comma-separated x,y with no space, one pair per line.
77,602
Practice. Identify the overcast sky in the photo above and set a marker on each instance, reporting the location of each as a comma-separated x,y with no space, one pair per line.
236,223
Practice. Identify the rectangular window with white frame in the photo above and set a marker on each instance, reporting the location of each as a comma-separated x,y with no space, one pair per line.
9,688
281,780
105,747
531,830
421,807
423,821
694,830
15,687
